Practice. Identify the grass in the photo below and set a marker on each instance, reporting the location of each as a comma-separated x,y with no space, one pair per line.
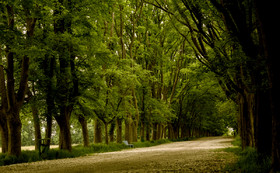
249,160
77,151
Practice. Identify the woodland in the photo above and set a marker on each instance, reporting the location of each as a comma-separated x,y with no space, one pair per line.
104,71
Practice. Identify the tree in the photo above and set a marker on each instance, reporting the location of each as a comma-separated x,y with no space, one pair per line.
267,41
12,97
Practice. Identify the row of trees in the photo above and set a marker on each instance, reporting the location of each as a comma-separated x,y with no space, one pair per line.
120,63
235,40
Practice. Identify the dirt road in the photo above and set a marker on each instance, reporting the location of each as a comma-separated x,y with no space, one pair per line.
191,156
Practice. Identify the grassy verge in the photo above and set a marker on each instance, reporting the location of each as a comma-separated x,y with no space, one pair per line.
77,151
249,160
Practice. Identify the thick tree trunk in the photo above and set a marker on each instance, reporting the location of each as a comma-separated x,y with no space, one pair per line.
14,128
159,131
111,131
106,133
134,129
83,123
148,131
263,119
4,105
48,131
170,131
37,127
63,121
128,129
155,131
49,66
119,130
142,131
267,33
97,131
4,133
246,133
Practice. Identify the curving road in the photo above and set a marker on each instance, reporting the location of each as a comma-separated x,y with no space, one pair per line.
201,155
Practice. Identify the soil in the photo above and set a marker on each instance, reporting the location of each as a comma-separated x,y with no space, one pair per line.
201,155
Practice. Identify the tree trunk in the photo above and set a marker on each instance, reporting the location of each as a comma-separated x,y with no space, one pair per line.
49,66
155,131
111,131
142,131
106,133
63,121
267,33
148,131
4,106
134,129
159,131
119,130
97,131
37,128
128,129
83,123
263,119
136,120
14,128
170,131
246,132
143,115
48,132
4,132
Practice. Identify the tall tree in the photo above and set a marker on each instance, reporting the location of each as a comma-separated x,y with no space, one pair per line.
12,97
267,42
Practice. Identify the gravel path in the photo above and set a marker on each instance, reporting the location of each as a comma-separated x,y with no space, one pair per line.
201,155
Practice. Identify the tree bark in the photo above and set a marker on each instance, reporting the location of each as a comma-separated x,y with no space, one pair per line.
142,132
136,120
4,132
106,133
267,32
119,130
155,131
112,130
14,129
148,131
128,128
3,110
37,127
63,121
83,123
15,100
97,131
263,119
245,123
49,66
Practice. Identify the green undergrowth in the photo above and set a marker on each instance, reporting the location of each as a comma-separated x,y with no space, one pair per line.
249,160
77,151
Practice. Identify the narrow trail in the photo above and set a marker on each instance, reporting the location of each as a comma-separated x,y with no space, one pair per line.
200,155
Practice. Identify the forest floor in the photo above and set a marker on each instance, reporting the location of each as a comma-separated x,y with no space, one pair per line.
201,155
